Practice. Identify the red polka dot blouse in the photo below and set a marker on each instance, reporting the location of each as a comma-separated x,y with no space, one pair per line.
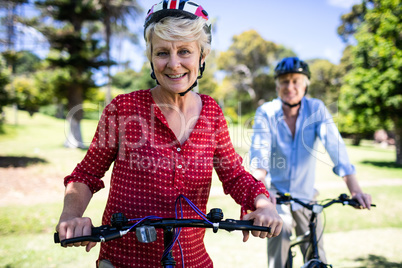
151,168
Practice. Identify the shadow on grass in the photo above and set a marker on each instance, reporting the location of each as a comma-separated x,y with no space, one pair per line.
374,261
19,161
382,164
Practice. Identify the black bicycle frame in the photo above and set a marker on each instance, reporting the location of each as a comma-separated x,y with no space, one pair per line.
309,237
168,237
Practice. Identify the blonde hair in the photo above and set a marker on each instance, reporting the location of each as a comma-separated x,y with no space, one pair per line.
179,29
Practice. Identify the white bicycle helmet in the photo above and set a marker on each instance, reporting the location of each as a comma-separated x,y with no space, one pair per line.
177,8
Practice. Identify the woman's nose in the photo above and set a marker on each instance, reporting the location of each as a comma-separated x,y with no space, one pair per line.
174,61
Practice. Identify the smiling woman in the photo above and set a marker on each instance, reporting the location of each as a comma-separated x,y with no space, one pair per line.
164,142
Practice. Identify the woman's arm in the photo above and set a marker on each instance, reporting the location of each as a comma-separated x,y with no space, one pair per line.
71,223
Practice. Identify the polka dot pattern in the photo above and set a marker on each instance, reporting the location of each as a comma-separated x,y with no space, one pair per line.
151,168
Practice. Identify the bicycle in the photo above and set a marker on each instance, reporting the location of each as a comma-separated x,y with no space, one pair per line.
146,233
312,258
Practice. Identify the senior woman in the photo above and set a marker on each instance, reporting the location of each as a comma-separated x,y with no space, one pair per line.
164,142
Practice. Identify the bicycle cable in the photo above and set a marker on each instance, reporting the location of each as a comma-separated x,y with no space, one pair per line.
324,224
178,203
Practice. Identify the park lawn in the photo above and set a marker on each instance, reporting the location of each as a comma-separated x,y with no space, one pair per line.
27,234
27,230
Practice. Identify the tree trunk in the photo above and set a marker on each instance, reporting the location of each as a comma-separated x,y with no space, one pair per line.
357,138
398,139
74,116
74,137
108,97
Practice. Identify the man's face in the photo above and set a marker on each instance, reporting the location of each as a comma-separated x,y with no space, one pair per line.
292,87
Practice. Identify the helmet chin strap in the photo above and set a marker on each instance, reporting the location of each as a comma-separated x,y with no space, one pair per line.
291,105
190,88
296,104
202,68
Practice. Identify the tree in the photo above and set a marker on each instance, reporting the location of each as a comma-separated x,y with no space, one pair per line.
129,80
352,20
325,81
28,94
4,80
356,125
114,15
10,54
247,62
10,7
208,84
73,48
373,88
27,62
22,90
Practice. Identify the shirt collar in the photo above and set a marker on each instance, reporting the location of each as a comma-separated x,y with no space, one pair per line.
279,113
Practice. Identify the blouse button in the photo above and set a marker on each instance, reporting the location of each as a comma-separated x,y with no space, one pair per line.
179,166
178,149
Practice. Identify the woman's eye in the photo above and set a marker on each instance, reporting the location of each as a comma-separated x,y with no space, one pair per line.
184,52
161,53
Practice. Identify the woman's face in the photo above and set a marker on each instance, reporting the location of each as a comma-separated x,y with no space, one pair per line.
175,64
292,87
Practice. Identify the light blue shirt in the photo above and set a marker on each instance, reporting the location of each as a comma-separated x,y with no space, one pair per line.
290,162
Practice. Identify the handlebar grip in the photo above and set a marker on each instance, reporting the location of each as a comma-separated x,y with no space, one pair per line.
355,203
65,242
231,225
56,238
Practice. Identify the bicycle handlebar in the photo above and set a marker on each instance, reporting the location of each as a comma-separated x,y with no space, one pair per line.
109,232
343,199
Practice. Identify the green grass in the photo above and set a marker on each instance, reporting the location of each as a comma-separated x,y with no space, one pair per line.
354,238
38,250
40,133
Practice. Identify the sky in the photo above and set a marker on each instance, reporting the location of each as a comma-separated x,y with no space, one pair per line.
308,27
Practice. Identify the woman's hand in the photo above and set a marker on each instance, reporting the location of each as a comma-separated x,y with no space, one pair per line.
264,215
70,227
71,223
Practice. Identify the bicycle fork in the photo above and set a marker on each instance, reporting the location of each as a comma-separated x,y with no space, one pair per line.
313,237
168,237
309,237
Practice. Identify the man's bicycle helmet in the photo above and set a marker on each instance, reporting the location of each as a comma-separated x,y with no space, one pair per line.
177,8
292,65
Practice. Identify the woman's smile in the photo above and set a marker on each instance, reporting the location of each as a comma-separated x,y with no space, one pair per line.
175,76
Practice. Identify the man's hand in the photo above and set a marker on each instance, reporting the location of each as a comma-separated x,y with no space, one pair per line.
356,192
363,199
